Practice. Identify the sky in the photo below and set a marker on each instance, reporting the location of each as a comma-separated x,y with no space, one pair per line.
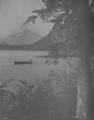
13,13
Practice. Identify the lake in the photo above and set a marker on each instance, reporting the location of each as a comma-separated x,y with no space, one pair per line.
9,71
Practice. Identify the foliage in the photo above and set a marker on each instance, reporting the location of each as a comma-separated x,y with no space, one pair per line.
36,100
65,31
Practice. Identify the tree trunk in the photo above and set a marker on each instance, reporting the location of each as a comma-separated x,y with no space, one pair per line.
81,9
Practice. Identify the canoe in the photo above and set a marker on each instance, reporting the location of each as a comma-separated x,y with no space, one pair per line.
22,62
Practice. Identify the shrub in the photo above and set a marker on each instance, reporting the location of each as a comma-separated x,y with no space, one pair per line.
52,98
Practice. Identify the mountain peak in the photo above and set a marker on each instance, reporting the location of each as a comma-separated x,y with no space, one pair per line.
23,37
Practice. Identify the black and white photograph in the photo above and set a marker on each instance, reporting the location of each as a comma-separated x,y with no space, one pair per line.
46,59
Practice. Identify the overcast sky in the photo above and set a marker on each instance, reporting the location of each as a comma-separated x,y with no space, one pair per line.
13,13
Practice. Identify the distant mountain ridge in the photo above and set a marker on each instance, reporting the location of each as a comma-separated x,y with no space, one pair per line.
23,37
41,45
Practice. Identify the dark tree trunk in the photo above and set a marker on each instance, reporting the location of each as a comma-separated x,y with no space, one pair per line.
81,10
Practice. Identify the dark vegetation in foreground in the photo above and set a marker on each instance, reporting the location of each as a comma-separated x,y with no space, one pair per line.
47,99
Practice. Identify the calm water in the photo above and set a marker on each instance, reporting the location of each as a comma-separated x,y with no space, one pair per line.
27,72
9,71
